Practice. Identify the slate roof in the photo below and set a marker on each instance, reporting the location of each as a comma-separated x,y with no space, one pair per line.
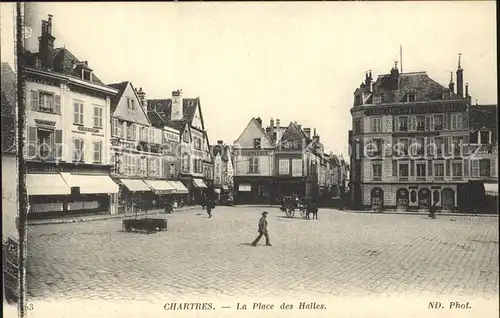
64,62
164,106
222,149
394,89
483,116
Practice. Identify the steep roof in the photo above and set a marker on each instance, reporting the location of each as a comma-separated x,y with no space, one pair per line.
164,107
483,116
64,63
394,89
132,116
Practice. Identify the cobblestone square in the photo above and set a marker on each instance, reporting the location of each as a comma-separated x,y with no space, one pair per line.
341,254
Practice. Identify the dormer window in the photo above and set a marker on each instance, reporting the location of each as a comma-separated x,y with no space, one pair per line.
87,75
410,97
445,95
484,137
377,99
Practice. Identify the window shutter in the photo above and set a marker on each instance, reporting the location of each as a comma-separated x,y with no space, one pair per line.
474,167
493,167
412,168
431,122
458,125
427,122
465,120
82,145
447,121
35,100
394,168
447,168
395,124
466,167
58,143
431,146
32,144
429,168
57,106
453,121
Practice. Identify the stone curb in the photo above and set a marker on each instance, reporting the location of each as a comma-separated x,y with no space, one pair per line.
385,212
91,218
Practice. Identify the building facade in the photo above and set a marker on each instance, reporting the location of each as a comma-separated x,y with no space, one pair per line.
409,142
253,154
222,164
184,115
276,161
136,154
68,126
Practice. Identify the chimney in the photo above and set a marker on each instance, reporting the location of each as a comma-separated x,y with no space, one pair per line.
177,108
46,45
259,120
451,86
271,123
395,70
142,98
368,81
466,89
460,78
277,123
307,131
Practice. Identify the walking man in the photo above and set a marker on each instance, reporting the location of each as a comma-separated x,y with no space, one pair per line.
432,210
262,230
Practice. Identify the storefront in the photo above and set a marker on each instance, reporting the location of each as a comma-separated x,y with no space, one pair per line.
257,190
377,199
424,198
402,199
180,195
132,194
199,188
161,191
58,194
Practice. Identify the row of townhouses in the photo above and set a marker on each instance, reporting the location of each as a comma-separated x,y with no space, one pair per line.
96,147
415,142
278,161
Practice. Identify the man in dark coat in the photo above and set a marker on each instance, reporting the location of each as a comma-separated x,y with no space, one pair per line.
210,206
262,230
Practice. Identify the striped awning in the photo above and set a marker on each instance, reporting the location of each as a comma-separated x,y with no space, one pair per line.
491,189
135,185
90,184
160,186
46,184
179,187
199,183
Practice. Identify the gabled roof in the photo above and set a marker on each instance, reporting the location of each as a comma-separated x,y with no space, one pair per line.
255,122
483,116
164,107
394,89
121,87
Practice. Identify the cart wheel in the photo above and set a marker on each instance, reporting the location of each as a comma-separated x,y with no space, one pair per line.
303,213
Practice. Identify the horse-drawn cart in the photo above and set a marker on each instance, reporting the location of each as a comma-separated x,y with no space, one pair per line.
290,204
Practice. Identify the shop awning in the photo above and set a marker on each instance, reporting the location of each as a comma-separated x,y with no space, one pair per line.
90,184
179,187
199,183
245,187
491,189
46,184
160,186
135,185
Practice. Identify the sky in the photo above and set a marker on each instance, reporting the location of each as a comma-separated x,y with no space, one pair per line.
293,61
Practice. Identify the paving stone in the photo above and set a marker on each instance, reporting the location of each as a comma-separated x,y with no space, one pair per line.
350,254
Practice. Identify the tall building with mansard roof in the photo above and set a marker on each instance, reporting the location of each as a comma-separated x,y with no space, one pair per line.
409,141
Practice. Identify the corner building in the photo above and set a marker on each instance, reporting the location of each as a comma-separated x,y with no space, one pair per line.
409,142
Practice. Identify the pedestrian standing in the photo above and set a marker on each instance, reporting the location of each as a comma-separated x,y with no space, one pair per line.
262,230
210,205
432,210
